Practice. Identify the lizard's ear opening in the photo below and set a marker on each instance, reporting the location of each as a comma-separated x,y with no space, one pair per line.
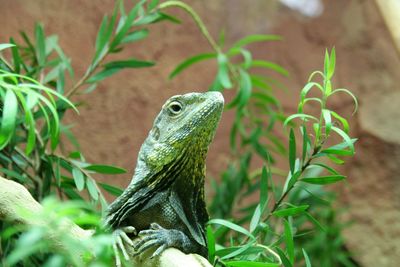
155,133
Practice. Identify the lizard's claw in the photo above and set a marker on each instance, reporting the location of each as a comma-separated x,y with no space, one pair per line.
156,236
120,236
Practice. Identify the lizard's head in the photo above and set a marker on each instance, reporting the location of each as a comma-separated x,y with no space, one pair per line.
185,122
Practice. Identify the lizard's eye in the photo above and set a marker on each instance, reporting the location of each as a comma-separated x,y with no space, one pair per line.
175,108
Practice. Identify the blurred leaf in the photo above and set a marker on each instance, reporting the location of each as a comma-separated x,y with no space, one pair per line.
350,94
329,169
232,226
126,23
342,120
346,138
111,189
105,169
283,257
250,264
255,38
223,74
306,258
293,211
190,61
78,178
244,94
9,117
91,186
210,243
269,65
135,36
328,121
4,46
299,115
130,63
101,75
292,151
289,240
323,179
40,45
265,176
255,219
332,63
315,222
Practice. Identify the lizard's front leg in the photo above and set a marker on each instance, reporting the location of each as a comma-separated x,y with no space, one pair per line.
162,238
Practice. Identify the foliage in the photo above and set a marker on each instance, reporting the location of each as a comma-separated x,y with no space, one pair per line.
288,223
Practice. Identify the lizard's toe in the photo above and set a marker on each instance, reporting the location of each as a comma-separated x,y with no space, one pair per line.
156,236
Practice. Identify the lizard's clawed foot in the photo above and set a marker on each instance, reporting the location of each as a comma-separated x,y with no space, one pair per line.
120,237
157,236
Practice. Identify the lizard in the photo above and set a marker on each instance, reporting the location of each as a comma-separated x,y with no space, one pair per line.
164,203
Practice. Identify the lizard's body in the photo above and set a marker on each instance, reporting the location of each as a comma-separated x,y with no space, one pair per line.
165,199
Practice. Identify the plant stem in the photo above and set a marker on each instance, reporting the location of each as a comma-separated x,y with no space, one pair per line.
196,18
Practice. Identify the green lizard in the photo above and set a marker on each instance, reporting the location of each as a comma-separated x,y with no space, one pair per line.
164,203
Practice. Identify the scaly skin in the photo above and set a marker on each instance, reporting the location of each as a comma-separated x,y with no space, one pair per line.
165,199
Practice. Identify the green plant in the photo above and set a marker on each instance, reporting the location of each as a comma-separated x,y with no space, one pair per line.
269,232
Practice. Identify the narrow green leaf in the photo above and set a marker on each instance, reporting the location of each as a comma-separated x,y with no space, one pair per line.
210,243
57,172
340,152
345,137
112,189
16,175
332,63
342,120
315,221
16,56
350,94
223,73
292,150
306,143
105,169
78,178
264,187
330,179
270,65
101,75
244,94
4,46
328,121
232,226
329,169
283,257
190,61
326,63
91,186
255,219
289,241
306,258
135,36
255,38
130,63
243,263
40,45
125,24
299,115
308,87
9,117
293,211
335,159
247,58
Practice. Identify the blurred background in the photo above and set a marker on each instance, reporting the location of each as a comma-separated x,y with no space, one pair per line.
115,120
